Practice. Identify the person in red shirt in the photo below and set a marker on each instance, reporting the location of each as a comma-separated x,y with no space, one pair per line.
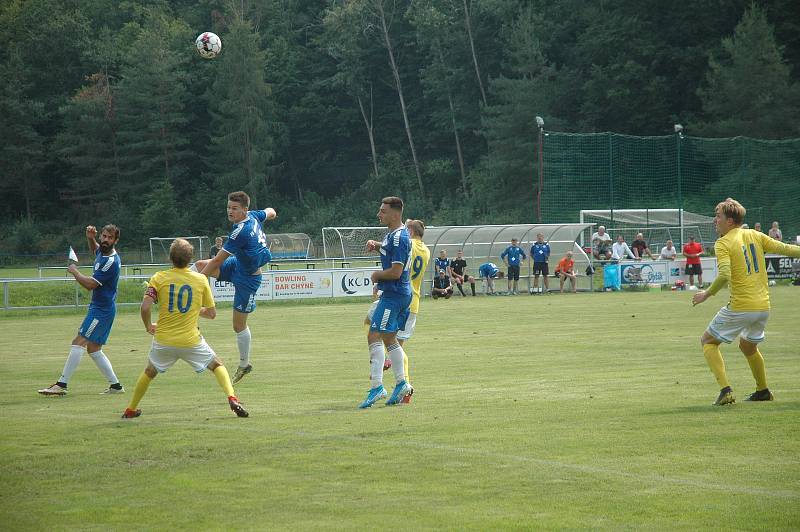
565,271
692,251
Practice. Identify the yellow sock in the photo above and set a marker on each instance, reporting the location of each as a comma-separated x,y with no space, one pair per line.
756,362
138,392
224,380
716,363
405,365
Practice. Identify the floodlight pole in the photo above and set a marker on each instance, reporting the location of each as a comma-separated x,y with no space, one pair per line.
678,139
540,124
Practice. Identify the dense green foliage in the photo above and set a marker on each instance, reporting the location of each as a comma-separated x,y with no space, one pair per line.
320,107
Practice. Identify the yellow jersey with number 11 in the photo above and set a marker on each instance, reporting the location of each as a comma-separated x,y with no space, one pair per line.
740,259
420,255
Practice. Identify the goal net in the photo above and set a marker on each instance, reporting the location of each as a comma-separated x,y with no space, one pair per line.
349,242
159,247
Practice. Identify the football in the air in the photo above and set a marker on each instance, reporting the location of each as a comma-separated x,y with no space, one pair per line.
209,45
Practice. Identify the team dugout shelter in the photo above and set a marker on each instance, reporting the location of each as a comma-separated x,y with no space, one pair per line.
479,243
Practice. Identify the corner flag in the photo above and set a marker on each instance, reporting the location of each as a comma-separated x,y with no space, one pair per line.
72,255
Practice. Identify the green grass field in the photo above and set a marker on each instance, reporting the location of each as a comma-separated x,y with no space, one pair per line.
588,411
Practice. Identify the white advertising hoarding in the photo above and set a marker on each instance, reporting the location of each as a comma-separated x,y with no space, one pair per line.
223,290
352,282
301,284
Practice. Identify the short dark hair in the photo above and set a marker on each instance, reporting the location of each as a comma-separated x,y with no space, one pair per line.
112,229
240,197
180,253
394,202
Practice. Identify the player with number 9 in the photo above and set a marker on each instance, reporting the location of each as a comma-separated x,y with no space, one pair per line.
183,297
239,262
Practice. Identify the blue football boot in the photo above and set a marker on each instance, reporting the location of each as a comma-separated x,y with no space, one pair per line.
401,390
376,393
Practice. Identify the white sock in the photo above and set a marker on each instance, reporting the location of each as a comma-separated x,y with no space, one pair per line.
376,358
243,341
396,355
104,365
73,359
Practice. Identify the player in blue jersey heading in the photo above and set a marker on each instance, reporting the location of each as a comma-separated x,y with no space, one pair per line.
513,255
393,306
239,262
94,330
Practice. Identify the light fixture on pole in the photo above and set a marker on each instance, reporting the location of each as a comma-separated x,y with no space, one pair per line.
540,125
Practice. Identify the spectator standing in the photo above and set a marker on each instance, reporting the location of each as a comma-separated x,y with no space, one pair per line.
566,270
540,253
215,248
515,255
620,250
441,286
692,251
488,272
640,247
757,227
775,232
668,252
601,244
458,272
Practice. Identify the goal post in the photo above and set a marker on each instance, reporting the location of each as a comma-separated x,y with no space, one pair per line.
159,247
349,242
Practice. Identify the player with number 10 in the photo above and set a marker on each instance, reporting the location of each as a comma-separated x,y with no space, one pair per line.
239,262
183,297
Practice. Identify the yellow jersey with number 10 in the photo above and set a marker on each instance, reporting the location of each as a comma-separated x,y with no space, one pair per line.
180,294
420,255
742,250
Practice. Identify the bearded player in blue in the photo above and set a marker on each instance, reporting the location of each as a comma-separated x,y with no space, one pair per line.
93,332
393,306
239,262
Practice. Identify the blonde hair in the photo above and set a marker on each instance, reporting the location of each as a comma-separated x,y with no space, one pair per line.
417,227
180,253
730,208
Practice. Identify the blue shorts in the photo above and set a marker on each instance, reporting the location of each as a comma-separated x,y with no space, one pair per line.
391,314
246,285
97,326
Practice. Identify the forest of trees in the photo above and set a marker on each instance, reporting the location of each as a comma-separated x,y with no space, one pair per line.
321,107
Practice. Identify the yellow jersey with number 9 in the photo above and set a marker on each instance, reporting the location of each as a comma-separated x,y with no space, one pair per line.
180,294
420,255
742,250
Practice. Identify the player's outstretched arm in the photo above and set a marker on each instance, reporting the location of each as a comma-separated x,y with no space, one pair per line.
271,213
91,238
212,266
146,311
392,274
88,283
208,313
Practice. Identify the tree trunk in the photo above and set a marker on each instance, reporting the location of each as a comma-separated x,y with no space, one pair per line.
398,84
453,120
468,25
458,144
368,125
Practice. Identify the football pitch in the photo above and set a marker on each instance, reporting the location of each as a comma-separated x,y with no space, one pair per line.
587,411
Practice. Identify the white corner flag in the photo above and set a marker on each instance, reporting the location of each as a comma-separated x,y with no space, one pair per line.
72,254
